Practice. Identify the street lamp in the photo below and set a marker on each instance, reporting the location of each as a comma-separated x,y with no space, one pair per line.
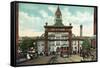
33,43
35,47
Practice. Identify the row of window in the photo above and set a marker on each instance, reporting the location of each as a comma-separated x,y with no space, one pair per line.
63,43
58,37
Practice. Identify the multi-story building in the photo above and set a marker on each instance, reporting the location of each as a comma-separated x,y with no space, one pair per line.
59,37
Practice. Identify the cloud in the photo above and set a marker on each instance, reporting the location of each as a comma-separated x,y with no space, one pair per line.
88,30
30,33
44,13
50,20
52,9
76,30
32,25
84,18
25,21
29,23
66,15
47,18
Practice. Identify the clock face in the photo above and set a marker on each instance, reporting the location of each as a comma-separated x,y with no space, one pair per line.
58,13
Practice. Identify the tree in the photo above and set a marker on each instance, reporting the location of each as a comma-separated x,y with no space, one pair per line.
26,43
86,44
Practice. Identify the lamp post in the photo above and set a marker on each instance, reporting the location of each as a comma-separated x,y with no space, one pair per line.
35,47
33,43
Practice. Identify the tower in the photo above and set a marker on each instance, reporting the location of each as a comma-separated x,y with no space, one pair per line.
58,27
58,18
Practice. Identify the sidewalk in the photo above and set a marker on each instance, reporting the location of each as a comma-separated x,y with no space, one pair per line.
73,58
39,60
21,60
76,58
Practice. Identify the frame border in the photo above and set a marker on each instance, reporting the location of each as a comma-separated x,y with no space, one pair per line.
13,32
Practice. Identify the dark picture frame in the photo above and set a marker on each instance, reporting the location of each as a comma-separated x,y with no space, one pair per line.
18,54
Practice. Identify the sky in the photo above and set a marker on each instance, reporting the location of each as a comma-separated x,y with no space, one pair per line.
32,18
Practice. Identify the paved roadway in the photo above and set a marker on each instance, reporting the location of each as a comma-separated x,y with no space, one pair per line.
54,59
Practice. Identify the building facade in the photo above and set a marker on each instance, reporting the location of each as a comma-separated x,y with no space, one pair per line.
58,37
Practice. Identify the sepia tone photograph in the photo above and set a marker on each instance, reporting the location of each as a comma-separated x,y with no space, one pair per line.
55,34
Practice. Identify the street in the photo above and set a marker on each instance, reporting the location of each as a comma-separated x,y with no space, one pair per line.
54,59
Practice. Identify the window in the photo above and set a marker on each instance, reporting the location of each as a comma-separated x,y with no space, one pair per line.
57,43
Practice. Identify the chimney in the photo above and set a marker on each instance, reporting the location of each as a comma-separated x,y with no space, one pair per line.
81,27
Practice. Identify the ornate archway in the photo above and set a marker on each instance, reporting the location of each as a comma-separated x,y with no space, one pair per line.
67,29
